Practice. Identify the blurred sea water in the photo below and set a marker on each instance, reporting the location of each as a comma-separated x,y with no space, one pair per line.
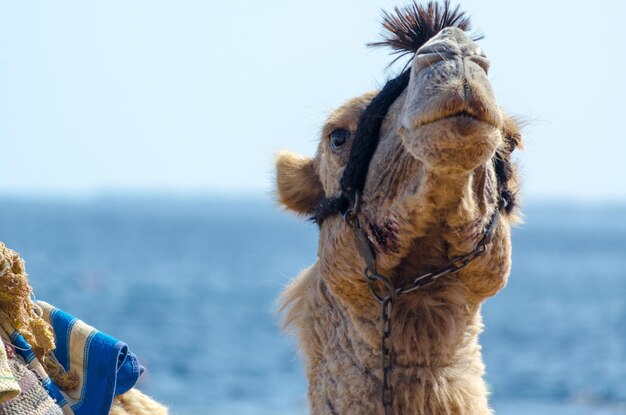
190,285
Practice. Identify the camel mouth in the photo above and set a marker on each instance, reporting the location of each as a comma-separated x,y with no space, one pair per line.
463,116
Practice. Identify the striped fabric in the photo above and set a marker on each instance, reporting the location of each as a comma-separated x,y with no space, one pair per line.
104,365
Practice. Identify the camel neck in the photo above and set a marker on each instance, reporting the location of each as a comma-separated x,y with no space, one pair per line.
432,339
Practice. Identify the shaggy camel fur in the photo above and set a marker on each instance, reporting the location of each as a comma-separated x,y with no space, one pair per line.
441,168
16,306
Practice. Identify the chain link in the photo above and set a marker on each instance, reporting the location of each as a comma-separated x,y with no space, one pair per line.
384,291
387,356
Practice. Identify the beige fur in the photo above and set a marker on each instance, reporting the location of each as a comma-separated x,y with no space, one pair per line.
430,190
298,185
134,402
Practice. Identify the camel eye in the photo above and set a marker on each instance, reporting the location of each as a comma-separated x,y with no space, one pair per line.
338,138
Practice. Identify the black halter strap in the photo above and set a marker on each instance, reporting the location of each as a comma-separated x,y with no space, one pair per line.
363,148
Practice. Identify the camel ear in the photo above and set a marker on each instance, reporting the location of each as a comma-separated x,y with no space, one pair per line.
298,184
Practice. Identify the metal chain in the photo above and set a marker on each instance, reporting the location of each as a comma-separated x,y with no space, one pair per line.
385,292
386,353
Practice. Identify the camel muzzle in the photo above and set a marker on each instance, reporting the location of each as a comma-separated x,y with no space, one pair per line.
448,80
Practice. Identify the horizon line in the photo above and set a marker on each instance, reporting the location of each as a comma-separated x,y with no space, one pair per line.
241,194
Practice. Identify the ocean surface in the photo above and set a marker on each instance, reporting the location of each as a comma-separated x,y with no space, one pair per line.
190,285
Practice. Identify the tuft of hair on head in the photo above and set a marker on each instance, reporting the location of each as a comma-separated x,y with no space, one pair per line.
409,28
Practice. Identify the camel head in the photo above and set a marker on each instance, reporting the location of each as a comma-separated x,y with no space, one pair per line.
431,154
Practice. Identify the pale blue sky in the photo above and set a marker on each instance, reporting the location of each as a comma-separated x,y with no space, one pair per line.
197,96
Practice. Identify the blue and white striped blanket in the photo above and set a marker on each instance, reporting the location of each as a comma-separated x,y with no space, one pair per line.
104,365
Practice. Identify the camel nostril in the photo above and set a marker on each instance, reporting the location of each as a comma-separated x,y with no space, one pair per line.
443,48
481,61
480,52
426,59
